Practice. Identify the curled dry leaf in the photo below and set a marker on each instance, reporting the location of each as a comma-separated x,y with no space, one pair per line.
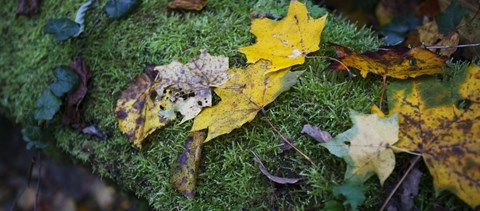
293,38
183,175
317,134
243,96
397,61
188,4
94,130
75,97
279,180
430,36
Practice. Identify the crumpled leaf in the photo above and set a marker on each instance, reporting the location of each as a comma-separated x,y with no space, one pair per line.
27,7
447,136
279,180
246,93
316,133
353,191
186,88
75,97
183,175
292,38
47,106
66,81
188,4
429,35
404,197
366,146
62,28
119,8
397,61
81,12
136,111
94,130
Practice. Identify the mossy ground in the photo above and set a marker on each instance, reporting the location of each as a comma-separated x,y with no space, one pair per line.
228,177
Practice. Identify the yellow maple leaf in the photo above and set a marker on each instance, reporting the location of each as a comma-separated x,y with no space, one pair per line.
246,93
397,62
447,136
136,112
366,146
286,42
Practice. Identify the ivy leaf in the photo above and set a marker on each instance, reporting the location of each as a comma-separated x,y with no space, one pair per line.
66,81
293,38
366,146
353,191
446,135
47,106
451,17
397,61
243,96
119,8
35,137
62,28
183,175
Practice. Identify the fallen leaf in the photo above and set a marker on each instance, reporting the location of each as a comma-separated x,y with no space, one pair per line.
243,96
65,82
353,191
136,111
47,105
188,4
316,133
279,180
430,36
188,86
397,61
366,146
27,7
36,137
183,175
62,28
81,13
284,146
94,130
293,38
451,17
119,8
75,97
447,136
405,195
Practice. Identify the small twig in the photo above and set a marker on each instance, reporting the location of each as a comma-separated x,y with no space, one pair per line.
283,137
452,46
37,189
384,84
415,161
331,58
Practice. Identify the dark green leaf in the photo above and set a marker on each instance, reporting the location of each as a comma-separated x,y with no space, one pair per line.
118,8
353,193
333,205
35,137
62,28
66,81
46,106
397,29
451,17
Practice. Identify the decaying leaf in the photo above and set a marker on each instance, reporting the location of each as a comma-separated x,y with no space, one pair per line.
246,93
404,197
95,131
397,61
279,180
136,111
27,7
317,134
445,134
75,97
188,4
286,42
429,35
366,146
186,88
183,175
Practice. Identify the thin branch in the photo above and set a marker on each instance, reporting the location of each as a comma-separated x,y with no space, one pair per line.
384,84
415,161
452,46
331,58
283,137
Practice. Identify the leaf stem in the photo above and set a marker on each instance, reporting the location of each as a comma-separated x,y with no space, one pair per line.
384,84
414,162
331,58
285,139
452,46
406,151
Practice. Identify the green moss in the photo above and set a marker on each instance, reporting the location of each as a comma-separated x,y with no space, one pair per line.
228,178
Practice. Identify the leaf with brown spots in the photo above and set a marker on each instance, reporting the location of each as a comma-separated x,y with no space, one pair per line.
188,4
183,175
397,62
441,121
285,42
136,111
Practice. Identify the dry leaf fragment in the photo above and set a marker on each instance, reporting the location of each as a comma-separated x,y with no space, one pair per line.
397,61
447,137
286,42
75,98
279,180
366,146
246,93
316,133
183,175
430,36
186,88
188,4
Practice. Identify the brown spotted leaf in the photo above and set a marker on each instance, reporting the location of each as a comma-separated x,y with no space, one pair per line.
183,175
397,61
185,88
441,121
